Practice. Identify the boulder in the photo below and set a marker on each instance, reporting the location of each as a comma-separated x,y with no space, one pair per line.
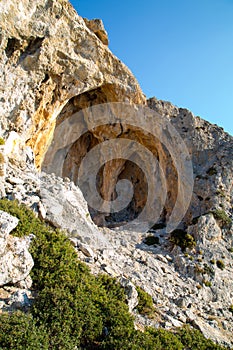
15,260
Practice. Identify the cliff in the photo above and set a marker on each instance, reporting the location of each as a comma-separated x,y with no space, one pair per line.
83,148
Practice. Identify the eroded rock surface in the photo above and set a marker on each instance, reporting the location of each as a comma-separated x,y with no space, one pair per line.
15,260
55,64
48,56
211,151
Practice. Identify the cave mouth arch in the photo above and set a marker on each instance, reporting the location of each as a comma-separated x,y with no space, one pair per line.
117,169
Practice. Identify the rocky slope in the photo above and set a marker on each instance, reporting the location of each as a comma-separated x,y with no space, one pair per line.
57,77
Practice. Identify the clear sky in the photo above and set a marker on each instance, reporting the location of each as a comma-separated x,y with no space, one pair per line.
179,50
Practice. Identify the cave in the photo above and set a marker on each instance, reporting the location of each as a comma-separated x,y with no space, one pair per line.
71,153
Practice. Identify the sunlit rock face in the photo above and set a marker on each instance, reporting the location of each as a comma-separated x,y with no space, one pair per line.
48,56
210,149
55,64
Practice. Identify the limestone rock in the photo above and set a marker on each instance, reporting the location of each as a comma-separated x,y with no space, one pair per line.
206,229
97,26
131,293
14,298
66,209
15,260
48,57
211,151
54,64
86,250
7,224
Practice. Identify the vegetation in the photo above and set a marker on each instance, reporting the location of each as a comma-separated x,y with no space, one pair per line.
207,283
74,309
145,303
208,269
220,264
19,331
222,217
2,141
231,308
182,239
192,339
151,240
211,171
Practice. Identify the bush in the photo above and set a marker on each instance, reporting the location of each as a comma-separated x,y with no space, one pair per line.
145,303
160,339
75,309
207,283
208,269
2,141
151,240
220,264
19,331
193,339
222,218
182,239
72,305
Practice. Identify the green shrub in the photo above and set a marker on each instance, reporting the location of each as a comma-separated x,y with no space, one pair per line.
151,240
207,283
75,309
193,339
2,141
231,308
145,303
20,332
160,339
220,264
182,239
72,305
208,269
222,217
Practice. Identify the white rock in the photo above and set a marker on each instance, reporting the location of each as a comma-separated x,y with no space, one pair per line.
131,293
16,262
7,224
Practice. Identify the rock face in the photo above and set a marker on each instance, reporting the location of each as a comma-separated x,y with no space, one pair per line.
66,208
48,57
97,27
211,151
15,260
56,66
177,281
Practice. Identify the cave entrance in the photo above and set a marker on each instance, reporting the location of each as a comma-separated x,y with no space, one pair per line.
114,170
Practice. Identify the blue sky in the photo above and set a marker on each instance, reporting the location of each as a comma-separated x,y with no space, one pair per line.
179,50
